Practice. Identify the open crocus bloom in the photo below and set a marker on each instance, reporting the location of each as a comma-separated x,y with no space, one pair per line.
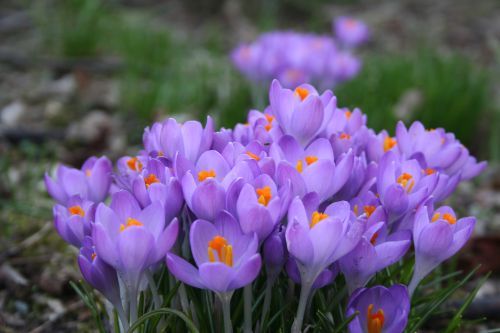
402,185
312,169
157,183
91,182
350,32
188,140
381,309
131,239
73,222
301,113
206,184
437,235
375,251
226,259
317,239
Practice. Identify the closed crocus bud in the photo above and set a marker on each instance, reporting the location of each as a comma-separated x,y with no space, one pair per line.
131,239
73,223
98,273
376,251
380,309
437,236
350,32
226,259
274,252
92,182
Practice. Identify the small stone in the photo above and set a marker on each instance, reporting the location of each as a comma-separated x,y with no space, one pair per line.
12,114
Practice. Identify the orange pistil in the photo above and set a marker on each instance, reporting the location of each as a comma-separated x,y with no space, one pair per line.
348,114
268,127
374,321
311,159
224,251
368,209
389,143
406,180
204,174
269,118
429,171
316,218
134,164
344,136
151,179
130,222
446,216
264,195
76,210
253,156
374,238
302,93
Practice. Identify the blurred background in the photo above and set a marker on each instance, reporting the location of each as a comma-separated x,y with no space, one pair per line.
84,77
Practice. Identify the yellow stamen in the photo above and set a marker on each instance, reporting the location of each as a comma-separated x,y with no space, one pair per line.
134,164
316,218
311,159
302,93
368,210
151,179
224,251
130,222
299,166
264,195
356,210
76,210
389,143
253,156
406,180
204,174
374,321
435,217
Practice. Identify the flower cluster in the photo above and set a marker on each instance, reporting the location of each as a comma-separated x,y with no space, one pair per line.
296,58
303,189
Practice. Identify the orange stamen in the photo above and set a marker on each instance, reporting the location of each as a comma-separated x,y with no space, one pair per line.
131,222
224,251
389,143
374,238
204,174
368,210
93,256
316,218
449,218
345,136
406,180
134,164
429,171
299,166
88,172
302,93
356,210
76,210
268,127
348,114
311,159
151,179
269,118
374,321
264,195
253,156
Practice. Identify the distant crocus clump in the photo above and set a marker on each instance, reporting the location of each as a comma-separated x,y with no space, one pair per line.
222,229
296,58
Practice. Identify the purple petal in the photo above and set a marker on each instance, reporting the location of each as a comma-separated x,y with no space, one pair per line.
184,271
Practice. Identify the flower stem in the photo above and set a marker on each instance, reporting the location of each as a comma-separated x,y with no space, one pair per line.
122,316
226,311
305,290
154,289
133,304
247,307
267,301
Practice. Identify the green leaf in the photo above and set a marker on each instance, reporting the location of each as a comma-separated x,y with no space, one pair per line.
164,311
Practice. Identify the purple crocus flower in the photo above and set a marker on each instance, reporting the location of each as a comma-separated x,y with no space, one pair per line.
344,66
131,239
375,251
274,252
402,185
381,309
91,182
437,235
73,222
350,32
156,182
226,259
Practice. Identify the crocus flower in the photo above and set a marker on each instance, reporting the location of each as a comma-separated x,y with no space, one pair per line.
131,239
381,309
437,235
375,251
156,182
274,252
226,259
326,277
344,66
350,32
73,222
91,182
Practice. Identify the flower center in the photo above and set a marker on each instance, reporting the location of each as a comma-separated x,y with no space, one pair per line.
317,217
406,180
368,209
76,210
429,171
134,164
224,251
389,143
309,160
204,174
130,223
345,136
302,93
446,216
374,321
269,124
264,195
253,156
151,179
